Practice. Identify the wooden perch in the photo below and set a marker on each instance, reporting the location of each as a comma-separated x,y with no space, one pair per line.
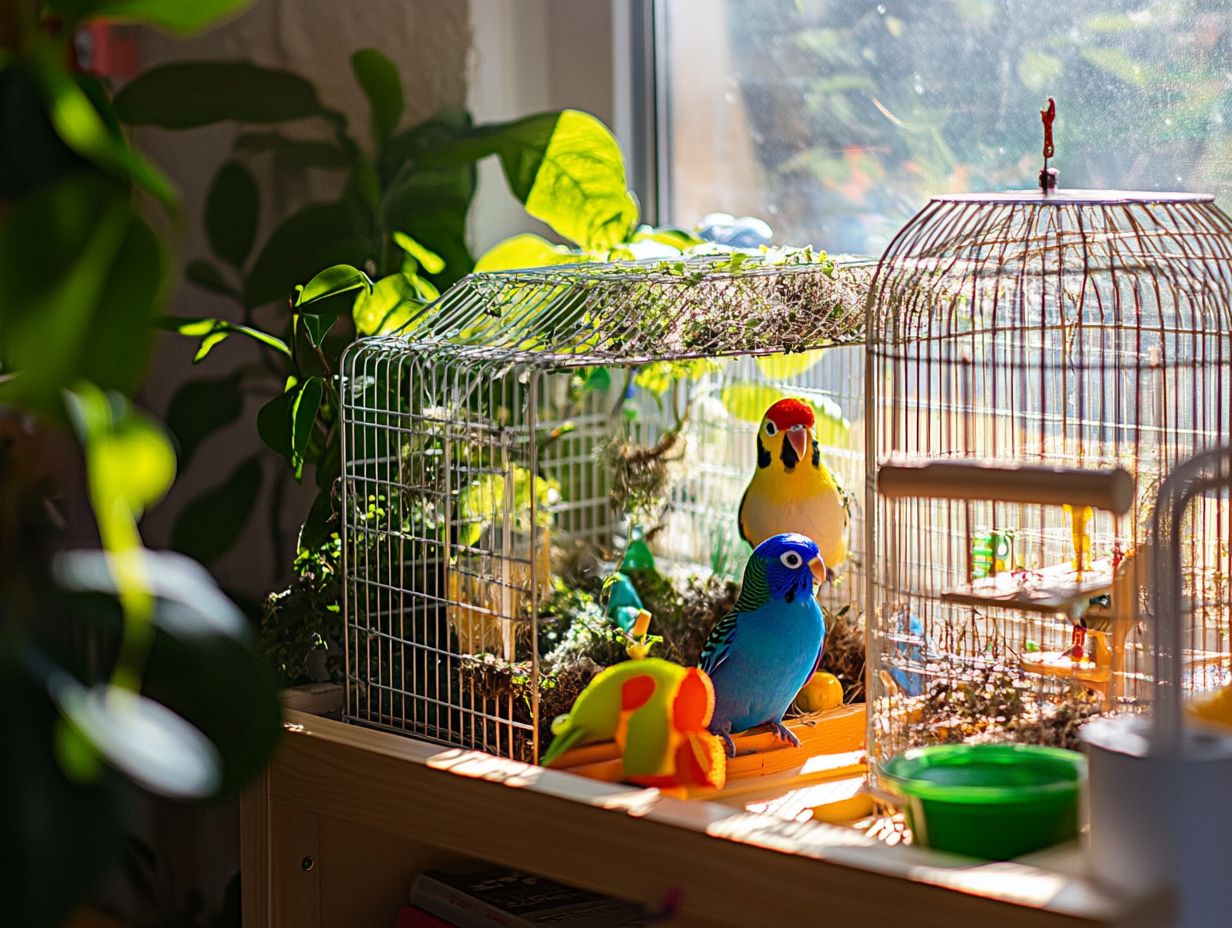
1109,490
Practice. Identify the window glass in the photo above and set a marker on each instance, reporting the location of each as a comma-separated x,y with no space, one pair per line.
834,120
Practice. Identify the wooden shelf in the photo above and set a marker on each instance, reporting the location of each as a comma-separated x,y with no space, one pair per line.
1054,589
344,817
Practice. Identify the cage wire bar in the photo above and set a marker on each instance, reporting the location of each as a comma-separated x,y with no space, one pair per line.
1076,328
474,445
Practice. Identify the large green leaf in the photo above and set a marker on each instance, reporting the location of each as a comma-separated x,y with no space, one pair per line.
328,295
748,402
430,202
320,522
64,285
580,188
525,250
274,423
78,122
304,408
424,258
789,366
319,235
182,17
117,343
190,603
221,685
331,282
286,422
200,408
411,144
567,169
208,527
188,94
231,209
213,332
129,457
381,84
143,739
129,466
38,155
390,305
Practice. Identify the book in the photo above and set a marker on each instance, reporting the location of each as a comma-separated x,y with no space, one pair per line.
491,897
410,916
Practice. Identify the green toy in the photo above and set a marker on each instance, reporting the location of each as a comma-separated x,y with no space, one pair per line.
623,603
990,553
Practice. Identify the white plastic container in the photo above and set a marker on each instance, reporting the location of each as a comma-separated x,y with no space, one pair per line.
1160,788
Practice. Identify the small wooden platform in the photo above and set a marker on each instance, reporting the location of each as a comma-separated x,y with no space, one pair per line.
343,818
1062,664
1054,589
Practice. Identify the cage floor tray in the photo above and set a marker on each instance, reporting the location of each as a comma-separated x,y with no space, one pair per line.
1057,588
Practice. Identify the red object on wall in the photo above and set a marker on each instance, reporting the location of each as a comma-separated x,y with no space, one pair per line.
107,50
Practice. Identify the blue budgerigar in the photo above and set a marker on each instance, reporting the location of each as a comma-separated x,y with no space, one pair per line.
761,653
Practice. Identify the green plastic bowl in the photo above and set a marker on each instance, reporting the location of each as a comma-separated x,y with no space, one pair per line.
995,801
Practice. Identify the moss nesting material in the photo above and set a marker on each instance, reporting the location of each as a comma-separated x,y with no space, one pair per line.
992,704
844,654
639,473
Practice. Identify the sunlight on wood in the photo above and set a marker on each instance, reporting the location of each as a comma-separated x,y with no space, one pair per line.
480,766
1010,881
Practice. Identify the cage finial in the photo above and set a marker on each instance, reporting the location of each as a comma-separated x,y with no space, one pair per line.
1048,176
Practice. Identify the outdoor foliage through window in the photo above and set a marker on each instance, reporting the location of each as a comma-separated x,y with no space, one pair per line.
834,120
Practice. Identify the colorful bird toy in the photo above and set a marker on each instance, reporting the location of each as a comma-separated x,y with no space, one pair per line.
792,490
760,654
656,712
623,603
990,553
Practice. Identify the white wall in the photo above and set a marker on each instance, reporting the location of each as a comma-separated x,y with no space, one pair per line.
529,56
502,58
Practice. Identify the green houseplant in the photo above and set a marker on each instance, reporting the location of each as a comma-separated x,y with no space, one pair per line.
123,669
392,240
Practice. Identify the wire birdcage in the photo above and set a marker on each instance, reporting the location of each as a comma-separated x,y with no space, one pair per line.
1082,330
509,436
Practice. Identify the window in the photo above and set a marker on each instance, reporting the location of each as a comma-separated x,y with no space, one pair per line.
834,120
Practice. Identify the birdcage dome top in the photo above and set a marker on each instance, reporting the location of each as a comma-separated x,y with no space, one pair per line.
642,311
1065,197
1025,260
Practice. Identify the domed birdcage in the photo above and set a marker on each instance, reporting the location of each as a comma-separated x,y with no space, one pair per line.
532,431
1028,354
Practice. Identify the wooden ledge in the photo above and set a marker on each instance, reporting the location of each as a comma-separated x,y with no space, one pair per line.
638,844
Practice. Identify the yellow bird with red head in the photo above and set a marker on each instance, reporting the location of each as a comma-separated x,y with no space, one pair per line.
792,490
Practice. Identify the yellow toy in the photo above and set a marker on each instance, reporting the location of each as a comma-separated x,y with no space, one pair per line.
792,490
823,691
1080,531
656,712
1216,708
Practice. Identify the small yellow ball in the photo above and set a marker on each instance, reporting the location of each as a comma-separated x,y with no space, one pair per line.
821,692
